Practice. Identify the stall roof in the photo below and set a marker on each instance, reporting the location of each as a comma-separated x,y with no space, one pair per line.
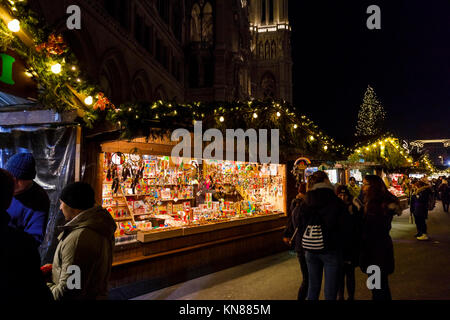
9,101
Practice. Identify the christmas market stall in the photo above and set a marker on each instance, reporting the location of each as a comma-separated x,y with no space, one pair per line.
384,157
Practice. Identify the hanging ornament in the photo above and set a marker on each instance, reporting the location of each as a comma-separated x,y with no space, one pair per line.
102,102
54,46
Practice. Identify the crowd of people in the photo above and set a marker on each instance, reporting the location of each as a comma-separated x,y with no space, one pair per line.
335,229
82,262
422,196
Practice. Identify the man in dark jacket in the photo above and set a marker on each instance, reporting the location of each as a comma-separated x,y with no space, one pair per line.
22,279
30,205
419,207
86,246
322,206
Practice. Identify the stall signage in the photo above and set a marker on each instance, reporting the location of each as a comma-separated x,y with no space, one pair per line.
302,163
13,76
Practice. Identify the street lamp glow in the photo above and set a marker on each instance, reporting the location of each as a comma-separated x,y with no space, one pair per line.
14,25
56,68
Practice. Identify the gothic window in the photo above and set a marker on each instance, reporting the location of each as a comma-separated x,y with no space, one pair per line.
268,85
202,22
195,24
138,91
207,23
270,11
263,12
261,50
267,50
273,50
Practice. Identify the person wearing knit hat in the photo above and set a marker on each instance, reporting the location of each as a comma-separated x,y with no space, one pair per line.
30,205
86,241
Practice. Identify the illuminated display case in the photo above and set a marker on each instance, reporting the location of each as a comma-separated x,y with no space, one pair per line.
155,197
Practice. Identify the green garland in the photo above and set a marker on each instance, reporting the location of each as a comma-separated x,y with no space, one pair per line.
385,151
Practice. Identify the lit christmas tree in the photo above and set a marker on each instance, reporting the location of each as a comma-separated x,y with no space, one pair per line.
371,115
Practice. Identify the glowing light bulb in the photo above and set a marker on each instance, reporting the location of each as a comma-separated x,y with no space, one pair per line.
295,126
88,101
56,68
278,114
255,115
311,138
325,148
14,25
221,119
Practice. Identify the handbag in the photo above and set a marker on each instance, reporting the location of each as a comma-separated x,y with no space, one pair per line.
313,238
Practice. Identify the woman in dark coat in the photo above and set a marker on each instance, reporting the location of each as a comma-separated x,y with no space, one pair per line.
376,244
444,191
419,206
291,232
351,250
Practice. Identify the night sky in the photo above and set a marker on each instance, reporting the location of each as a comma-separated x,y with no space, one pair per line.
407,62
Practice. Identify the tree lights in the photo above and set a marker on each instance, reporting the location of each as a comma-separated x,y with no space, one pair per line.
371,115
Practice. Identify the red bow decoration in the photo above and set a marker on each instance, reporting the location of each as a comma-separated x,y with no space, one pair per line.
55,45
102,102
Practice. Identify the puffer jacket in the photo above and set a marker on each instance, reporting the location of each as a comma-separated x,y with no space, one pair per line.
87,241
29,212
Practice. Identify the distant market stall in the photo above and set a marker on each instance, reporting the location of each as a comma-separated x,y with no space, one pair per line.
384,157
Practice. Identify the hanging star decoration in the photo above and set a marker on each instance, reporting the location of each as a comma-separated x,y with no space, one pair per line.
102,102
54,46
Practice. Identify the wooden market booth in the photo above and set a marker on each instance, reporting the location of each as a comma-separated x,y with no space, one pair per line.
153,258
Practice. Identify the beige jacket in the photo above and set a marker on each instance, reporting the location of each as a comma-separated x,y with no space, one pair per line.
87,241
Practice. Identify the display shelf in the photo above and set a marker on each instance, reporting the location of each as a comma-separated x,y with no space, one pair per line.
123,219
181,199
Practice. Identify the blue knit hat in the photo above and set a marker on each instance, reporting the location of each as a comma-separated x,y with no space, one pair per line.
22,166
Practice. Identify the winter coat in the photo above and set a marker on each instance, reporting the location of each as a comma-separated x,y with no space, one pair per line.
376,243
444,190
87,241
420,201
22,279
290,226
335,222
29,212
351,248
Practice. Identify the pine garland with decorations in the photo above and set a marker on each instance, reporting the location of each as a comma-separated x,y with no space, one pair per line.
62,87
295,131
385,150
371,115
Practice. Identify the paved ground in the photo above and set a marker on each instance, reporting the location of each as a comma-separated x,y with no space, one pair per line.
422,271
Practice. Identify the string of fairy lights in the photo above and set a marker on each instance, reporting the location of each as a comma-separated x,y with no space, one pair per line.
378,147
